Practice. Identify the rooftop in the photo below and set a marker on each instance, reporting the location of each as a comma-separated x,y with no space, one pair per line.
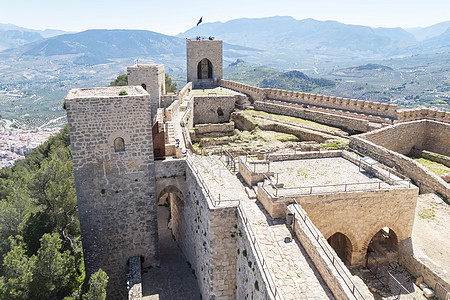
103,92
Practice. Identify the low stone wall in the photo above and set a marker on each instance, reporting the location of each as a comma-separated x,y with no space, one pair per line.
168,99
339,121
252,283
208,128
134,282
249,176
442,159
305,155
425,179
418,265
341,288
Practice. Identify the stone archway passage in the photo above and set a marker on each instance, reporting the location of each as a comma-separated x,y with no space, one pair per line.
383,247
342,246
204,69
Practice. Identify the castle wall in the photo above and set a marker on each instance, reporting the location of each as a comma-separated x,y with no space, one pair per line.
198,50
406,115
437,137
153,77
213,109
344,122
115,191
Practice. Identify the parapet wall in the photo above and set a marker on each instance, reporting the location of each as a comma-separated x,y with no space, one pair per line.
340,121
366,107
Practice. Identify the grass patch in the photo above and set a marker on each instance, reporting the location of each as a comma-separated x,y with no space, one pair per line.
427,213
436,168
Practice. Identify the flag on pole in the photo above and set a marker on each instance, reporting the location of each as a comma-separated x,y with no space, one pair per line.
199,21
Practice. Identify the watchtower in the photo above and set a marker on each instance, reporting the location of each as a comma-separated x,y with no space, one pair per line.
204,62
112,152
152,79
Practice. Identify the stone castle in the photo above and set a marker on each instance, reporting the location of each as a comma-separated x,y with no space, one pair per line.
232,211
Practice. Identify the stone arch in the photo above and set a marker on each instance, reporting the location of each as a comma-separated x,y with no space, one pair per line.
172,197
343,247
119,144
205,69
369,237
381,246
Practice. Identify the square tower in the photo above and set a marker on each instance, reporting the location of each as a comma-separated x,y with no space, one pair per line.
152,79
112,153
204,62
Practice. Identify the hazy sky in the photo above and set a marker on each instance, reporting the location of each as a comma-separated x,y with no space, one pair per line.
175,16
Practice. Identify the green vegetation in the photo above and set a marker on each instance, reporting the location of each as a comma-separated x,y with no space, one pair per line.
123,93
122,80
40,242
427,213
437,168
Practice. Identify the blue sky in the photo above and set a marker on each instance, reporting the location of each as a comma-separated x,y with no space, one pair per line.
175,16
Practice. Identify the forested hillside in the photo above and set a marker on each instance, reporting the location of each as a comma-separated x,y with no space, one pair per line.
40,242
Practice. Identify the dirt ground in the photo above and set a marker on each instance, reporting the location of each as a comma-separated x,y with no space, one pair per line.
431,232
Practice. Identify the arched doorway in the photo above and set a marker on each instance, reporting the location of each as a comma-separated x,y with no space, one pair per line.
342,246
204,69
382,248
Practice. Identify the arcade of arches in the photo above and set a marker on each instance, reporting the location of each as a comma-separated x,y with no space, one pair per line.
383,247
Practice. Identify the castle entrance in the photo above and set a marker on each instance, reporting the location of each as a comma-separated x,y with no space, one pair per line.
204,69
173,279
342,246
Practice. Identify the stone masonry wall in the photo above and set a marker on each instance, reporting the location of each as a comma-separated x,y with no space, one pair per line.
345,122
198,50
153,77
249,273
213,109
437,137
209,242
115,190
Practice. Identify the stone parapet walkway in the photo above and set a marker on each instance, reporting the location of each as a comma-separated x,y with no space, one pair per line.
294,273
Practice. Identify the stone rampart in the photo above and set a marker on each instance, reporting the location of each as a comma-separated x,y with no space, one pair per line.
406,115
252,282
255,93
209,241
331,268
340,121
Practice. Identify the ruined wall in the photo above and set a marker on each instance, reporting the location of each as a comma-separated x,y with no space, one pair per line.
425,179
213,109
339,121
115,190
198,50
401,137
152,77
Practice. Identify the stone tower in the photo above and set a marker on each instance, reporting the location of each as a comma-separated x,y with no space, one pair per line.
152,79
204,62
112,152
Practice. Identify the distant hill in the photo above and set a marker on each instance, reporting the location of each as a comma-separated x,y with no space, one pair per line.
368,70
430,31
12,36
287,33
267,77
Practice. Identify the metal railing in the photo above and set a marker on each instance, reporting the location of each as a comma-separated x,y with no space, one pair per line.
329,252
397,288
440,292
